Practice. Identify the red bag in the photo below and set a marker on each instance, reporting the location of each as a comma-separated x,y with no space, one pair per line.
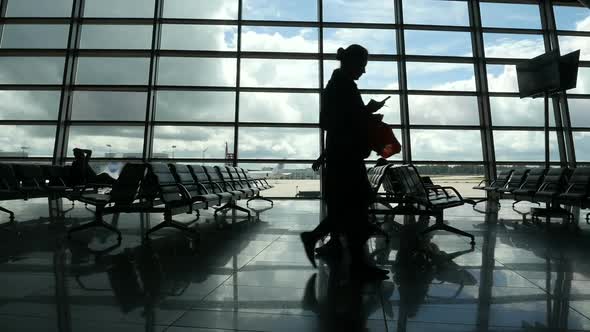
381,138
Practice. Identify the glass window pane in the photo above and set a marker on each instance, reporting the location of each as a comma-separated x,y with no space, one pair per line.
116,36
31,70
26,141
279,107
132,71
197,71
279,73
280,10
457,110
572,18
180,106
582,145
376,41
39,8
391,111
524,145
502,78
109,106
199,37
107,141
359,11
289,180
509,111
35,36
579,115
569,44
499,45
431,12
438,43
193,142
280,39
461,177
218,9
279,143
583,83
29,105
438,145
379,75
119,8
440,76
502,15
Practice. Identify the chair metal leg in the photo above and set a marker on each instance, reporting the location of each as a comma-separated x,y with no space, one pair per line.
232,205
260,198
172,224
9,212
98,222
444,227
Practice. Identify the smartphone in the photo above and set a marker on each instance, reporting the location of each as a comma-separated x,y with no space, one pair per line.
384,100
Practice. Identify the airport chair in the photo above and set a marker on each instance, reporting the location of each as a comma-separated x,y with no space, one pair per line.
260,184
216,178
239,183
498,184
197,191
554,184
201,176
577,191
529,187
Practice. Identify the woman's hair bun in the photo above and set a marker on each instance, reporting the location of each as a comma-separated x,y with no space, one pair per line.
340,54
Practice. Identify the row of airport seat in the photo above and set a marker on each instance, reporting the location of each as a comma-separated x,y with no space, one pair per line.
141,187
554,186
403,191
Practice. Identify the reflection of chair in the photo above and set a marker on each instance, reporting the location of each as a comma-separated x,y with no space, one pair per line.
120,199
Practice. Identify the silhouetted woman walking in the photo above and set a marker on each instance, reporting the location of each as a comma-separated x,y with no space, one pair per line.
345,118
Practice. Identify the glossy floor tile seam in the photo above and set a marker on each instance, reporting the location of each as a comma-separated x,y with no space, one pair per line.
229,277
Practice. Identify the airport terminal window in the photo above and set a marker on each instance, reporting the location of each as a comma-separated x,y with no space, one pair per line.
193,142
279,39
100,36
120,71
274,107
508,45
441,145
35,36
441,43
440,76
380,75
507,15
216,106
459,110
376,41
278,143
280,10
578,109
502,78
119,8
428,12
109,106
279,73
201,9
279,107
29,105
199,37
571,18
514,111
197,71
24,141
359,11
582,142
521,145
108,141
31,70
36,8
391,111
569,44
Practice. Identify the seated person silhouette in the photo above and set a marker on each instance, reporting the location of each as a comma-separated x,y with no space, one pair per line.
82,173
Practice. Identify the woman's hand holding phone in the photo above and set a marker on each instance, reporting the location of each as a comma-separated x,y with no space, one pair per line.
374,106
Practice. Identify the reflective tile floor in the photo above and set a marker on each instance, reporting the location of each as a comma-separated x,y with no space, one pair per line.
253,276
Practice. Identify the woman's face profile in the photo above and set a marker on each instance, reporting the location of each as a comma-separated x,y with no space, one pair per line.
358,70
